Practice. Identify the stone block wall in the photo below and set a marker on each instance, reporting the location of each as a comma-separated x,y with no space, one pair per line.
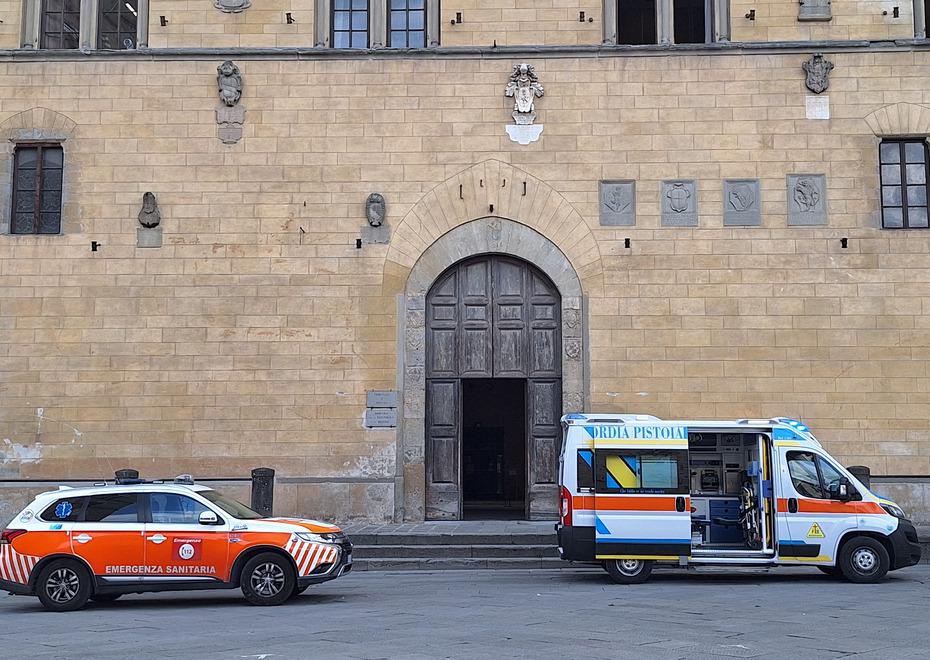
520,22
252,335
777,20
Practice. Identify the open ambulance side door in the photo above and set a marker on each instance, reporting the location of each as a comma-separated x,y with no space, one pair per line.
642,491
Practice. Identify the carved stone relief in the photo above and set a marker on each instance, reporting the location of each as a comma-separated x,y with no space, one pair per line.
573,402
573,349
149,234
375,231
807,200
679,204
742,203
232,6
814,10
618,203
817,70
230,116
524,88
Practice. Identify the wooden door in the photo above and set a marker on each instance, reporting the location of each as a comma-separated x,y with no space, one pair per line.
492,317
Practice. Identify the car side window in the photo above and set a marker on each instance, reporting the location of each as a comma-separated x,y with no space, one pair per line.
830,478
112,508
66,509
803,470
173,509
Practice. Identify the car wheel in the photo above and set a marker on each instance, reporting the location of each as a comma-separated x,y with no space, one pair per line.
832,571
104,598
299,590
267,579
63,586
863,559
628,571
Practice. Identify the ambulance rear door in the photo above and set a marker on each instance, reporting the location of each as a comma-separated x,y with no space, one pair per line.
642,491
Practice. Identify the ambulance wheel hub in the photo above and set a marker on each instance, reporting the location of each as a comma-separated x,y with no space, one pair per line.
865,559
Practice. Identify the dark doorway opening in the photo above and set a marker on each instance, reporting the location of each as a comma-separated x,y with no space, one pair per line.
493,448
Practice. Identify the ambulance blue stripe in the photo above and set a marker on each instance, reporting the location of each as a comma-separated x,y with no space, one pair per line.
792,543
602,540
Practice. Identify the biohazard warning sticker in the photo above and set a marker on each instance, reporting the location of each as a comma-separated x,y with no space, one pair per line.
186,549
815,532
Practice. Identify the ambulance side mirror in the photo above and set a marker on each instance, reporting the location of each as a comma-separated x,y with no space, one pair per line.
844,491
208,518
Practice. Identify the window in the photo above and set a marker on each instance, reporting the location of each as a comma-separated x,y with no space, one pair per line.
350,24
637,22
814,476
691,21
585,469
37,173
641,471
68,509
172,509
116,508
904,184
407,24
233,507
61,24
117,24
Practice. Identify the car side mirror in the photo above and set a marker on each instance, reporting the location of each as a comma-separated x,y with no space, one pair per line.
208,518
843,491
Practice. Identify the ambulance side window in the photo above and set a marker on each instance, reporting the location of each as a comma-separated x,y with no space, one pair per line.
641,471
67,509
173,509
115,508
812,475
585,469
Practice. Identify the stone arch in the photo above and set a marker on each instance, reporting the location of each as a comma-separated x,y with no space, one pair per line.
483,236
900,120
37,124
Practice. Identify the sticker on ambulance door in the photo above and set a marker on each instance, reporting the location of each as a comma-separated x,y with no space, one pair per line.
186,549
815,532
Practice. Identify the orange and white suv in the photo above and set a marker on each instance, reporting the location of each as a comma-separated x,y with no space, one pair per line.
98,543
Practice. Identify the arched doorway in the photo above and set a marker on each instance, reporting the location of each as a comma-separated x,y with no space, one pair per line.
493,390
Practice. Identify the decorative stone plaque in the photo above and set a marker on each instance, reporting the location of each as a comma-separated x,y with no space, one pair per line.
618,203
148,234
230,116
382,399
524,88
818,107
380,417
814,10
679,203
807,200
742,203
817,73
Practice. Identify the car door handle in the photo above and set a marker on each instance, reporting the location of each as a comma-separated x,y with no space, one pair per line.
679,504
792,505
83,538
158,538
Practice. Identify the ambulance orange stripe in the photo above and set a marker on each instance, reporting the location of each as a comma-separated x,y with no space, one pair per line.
637,503
828,506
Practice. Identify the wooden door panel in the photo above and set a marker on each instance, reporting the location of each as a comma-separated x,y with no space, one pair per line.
443,418
543,443
510,350
475,332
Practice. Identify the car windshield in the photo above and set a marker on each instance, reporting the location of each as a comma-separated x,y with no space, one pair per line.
233,507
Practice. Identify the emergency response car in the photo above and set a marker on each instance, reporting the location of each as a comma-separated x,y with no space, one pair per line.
96,543
637,490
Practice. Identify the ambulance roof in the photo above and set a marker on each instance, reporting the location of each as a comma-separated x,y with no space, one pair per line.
97,489
786,427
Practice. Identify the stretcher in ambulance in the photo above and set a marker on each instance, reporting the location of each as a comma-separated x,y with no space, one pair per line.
637,490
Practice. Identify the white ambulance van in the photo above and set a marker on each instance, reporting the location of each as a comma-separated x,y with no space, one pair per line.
636,490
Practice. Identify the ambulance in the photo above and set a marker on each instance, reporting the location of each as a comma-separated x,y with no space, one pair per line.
72,545
638,491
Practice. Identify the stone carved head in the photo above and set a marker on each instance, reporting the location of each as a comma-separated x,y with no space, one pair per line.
229,82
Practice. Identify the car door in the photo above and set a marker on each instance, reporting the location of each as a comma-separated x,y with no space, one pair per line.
815,519
178,547
107,534
642,493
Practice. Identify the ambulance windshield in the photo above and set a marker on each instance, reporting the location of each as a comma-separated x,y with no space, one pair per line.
232,507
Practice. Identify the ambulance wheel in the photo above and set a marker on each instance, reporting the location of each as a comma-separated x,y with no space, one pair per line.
267,579
832,571
628,571
104,598
63,586
864,559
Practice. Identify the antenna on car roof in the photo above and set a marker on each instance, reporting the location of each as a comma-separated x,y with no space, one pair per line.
128,476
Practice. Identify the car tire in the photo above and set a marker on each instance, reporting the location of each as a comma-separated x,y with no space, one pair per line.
864,560
268,579
628,571
299,590
832,571
104,598
63,586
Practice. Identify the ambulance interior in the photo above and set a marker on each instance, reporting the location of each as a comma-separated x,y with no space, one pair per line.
731,492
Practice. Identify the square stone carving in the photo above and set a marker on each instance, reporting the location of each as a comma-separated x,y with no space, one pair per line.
742,203
618,203
807,200
679,203
814,10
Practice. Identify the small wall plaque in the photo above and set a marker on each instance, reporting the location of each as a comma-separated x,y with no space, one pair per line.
380,417
382,399
807,200
679,204
618,203
817,107
742,203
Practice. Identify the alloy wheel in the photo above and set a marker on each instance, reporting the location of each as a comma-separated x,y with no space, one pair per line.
62,585
267,579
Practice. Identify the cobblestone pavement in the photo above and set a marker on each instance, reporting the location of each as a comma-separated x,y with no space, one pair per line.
501,614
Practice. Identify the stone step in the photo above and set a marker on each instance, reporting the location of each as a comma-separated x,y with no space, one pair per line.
458,563
443,551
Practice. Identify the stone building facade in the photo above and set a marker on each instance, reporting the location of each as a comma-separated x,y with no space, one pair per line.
709,229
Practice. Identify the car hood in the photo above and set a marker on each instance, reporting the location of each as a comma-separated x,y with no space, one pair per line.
292,525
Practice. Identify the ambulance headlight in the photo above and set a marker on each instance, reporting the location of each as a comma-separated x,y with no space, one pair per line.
319,538
894,510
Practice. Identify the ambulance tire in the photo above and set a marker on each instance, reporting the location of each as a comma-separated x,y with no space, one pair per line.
832,571
863,560
63,585
628,571
268,579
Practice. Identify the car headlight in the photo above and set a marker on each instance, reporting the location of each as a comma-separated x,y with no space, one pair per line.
329,537
894,510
